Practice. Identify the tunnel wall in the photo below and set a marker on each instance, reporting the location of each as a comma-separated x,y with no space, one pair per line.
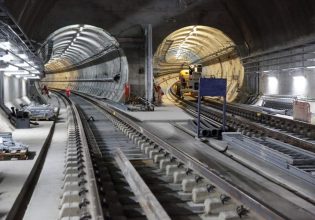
232,71
286,71
109,66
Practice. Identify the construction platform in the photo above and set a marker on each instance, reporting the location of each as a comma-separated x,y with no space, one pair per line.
17,175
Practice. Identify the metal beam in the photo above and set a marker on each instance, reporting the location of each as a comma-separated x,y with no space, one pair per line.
148,64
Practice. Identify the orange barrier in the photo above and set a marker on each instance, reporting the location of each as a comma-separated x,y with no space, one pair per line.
302,111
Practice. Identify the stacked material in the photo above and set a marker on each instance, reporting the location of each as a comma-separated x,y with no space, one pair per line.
40,112
10,149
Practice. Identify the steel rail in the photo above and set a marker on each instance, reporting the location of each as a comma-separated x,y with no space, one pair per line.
147,200
94,205
248,200
149,203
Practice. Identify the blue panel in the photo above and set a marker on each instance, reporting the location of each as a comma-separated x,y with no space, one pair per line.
212,87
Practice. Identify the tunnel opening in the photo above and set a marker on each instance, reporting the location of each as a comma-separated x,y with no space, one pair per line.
85,59
201,45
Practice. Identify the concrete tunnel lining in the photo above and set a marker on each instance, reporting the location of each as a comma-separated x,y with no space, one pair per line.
206,45
77,44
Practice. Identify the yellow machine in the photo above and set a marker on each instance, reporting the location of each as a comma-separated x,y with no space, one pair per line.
189,81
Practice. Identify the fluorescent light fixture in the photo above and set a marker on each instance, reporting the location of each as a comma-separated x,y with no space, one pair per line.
20,72
299,85
310,67
272,85
292,68
17,62
5,45
266,71
31,77
7,57
35,71
23,56
81,29
9,68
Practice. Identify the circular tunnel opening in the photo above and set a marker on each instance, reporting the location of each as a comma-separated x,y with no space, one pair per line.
201,45
86,59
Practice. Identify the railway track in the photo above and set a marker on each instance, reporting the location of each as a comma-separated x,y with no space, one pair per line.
262,142
128,161
290,131
140,176
133,163
296,133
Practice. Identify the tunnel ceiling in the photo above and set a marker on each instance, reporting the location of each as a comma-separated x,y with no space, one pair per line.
75,44
189,44
255,24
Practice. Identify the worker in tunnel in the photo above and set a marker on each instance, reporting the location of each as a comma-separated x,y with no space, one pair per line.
158,93
45,91
68,92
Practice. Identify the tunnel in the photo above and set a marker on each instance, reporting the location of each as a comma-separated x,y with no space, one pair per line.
203,45
157,109
86,59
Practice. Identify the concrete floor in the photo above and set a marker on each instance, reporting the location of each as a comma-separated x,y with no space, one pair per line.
14,173
48,189
162,113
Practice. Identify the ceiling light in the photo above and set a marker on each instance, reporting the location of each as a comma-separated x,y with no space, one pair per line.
299,85
7,57
310,67
19,72
9,68
31,77
5,45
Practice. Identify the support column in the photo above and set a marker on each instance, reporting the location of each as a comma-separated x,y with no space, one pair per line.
1,89
148,64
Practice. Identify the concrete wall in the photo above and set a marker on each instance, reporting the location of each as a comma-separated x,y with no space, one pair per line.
231,70
299,83
135,56
14,91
